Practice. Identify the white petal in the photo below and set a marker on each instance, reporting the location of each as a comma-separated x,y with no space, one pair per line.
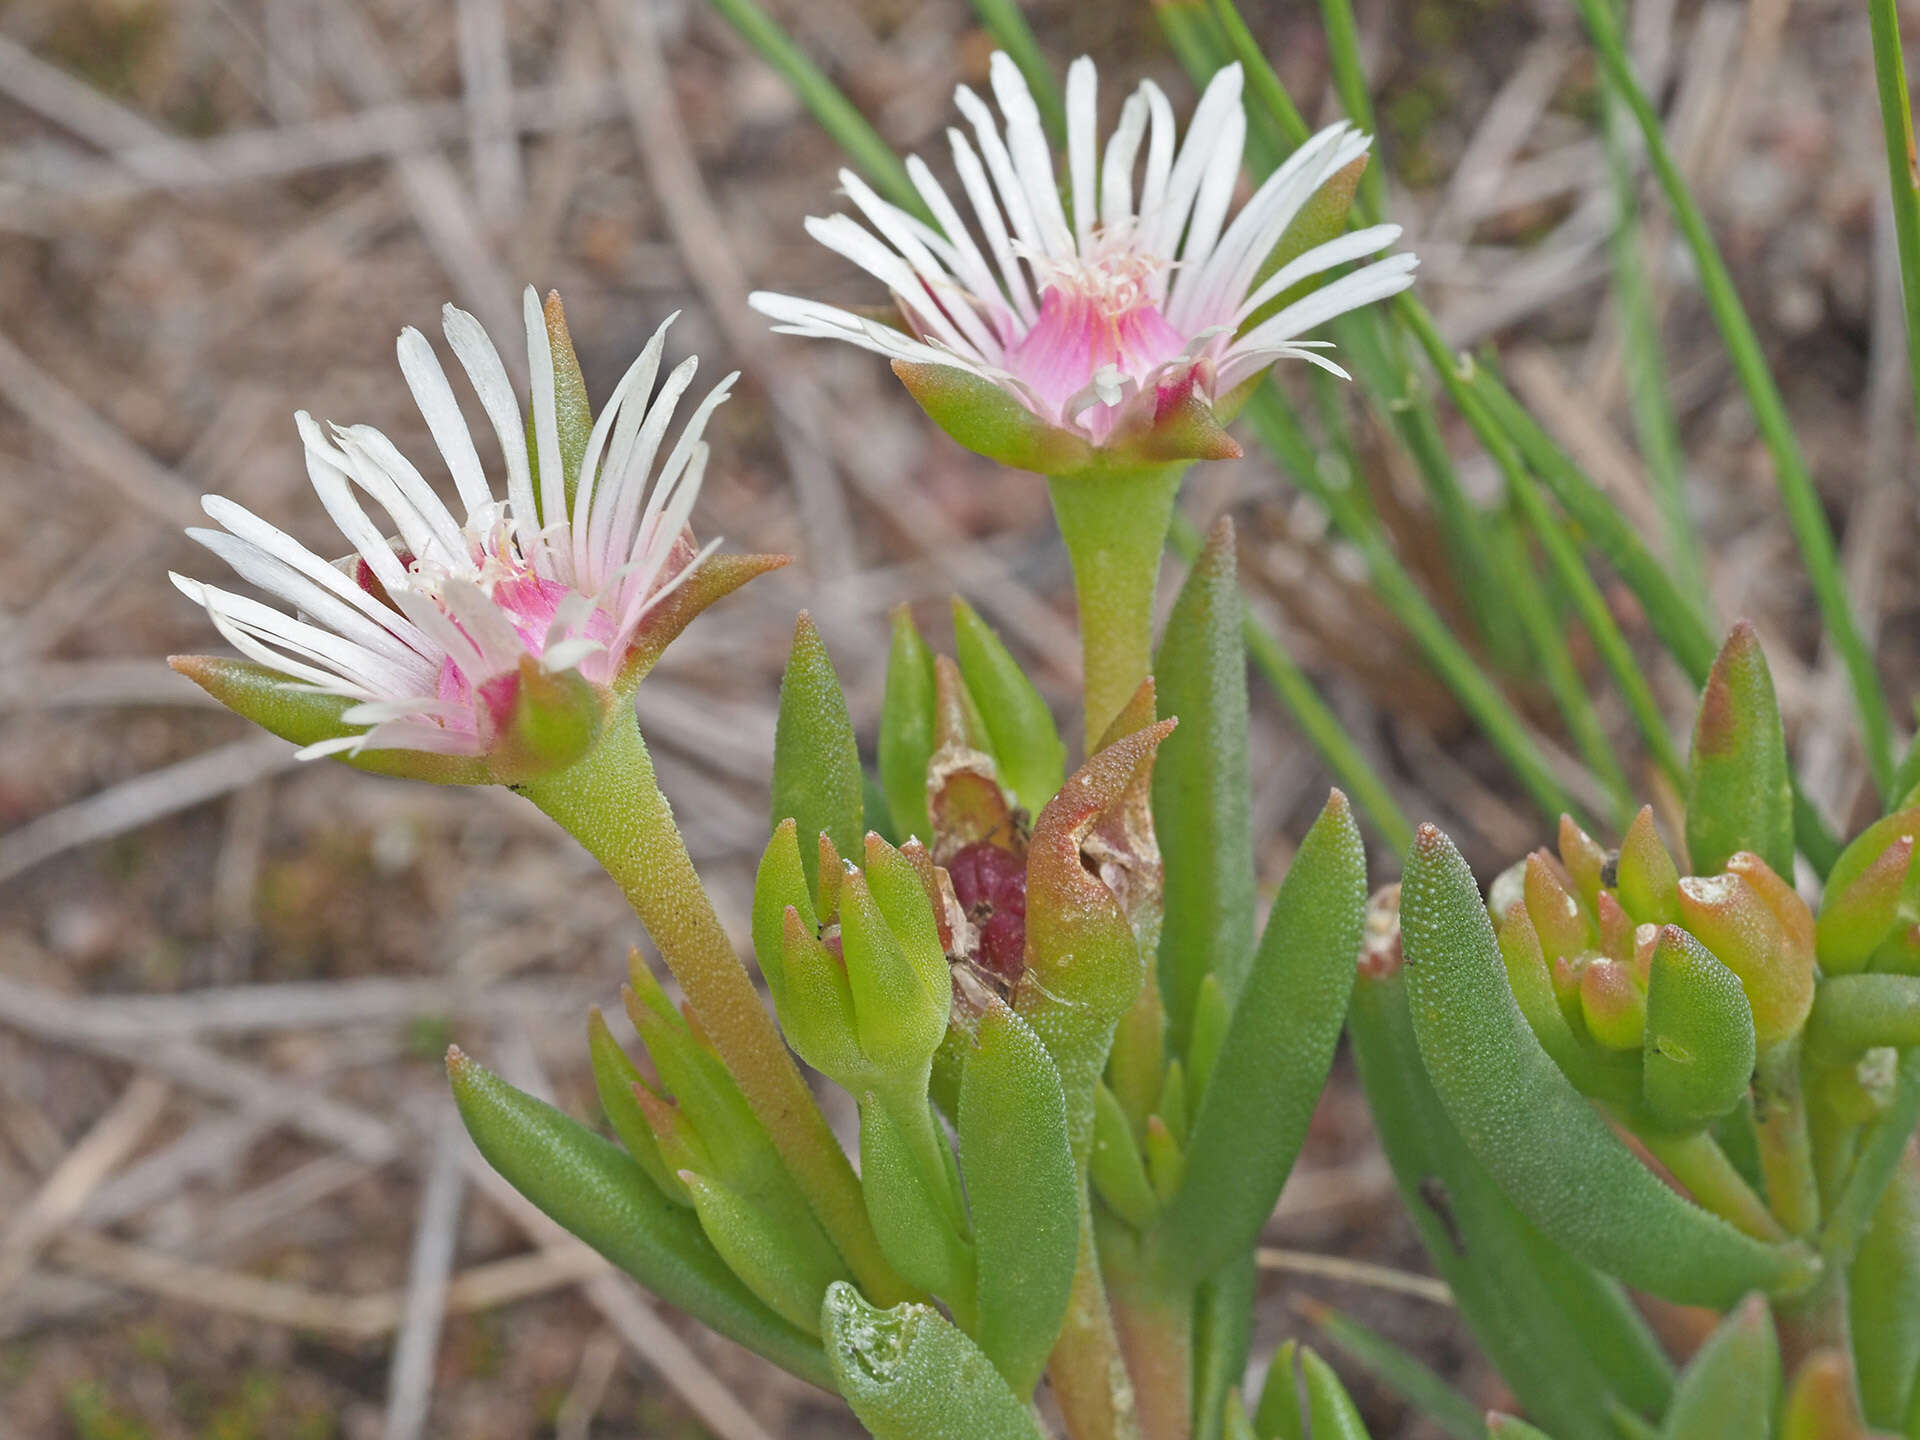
1377,281
1082,146
1217,182
626,475
431,392
627,403
969,265
992,224
897,228
1351,246
1164,225
326,468
489,378
429,507
1116,169
1032,156
1153,189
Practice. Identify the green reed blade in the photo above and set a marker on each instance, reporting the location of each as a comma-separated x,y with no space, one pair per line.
1797,493
1903,173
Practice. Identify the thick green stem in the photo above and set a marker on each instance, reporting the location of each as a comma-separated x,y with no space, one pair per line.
1089,1378
1698,1162
1786,1151
1156,1333
1114,520
611,803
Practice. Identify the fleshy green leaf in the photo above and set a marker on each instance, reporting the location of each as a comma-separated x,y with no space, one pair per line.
910,1375
599,1193
1032,758
1552,1153
1202,788
816,763
1820,1401
906,727
1729,1389
1442,1406
1870,886
1022,1191
1117,1169
792,1279
614,1076
1565,1338
1700,1046
1330,1410
1884,1303
1278,1415
780,882
1511,1427
905,1184
1222,1336
1739,796
1274,1061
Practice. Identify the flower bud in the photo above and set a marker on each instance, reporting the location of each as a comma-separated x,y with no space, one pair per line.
1645,876
1759,929
1700,1034
965,799
1871,888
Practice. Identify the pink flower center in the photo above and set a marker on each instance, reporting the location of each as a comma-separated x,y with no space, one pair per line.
1094,315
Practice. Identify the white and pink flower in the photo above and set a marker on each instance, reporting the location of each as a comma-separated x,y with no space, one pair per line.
1086,314
432,626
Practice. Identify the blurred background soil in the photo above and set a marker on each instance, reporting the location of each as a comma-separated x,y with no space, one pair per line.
232,1202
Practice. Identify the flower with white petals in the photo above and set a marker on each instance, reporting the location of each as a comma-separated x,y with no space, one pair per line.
1100,314
447,623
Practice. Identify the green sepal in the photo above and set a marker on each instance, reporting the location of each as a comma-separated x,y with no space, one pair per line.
906,727
1031,756
1730,1388
758,1247
1083,963
614,1076
1202,788
1022,1191
1700,1045
816,762
1739,791
597,1192
1331,1413
1279,1047
556,717
1551,1152
1117,1169
1321,219
988,421
906,1186
909,1374
781,881
1565,1338
1871,887
271,701
715,578
902,991
571,408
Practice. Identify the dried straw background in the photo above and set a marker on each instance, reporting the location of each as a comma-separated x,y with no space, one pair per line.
232,1201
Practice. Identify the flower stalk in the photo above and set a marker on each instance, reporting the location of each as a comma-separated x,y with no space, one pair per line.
611,802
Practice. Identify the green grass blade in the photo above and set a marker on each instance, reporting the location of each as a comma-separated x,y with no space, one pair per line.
1797,493
1007,24
1594,517
1350,84
1267,411
1903,174
1261,80
837,115
1646,369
